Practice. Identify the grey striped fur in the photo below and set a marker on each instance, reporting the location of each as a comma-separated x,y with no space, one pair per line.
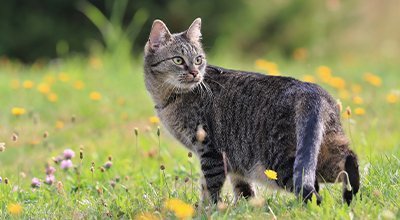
259,122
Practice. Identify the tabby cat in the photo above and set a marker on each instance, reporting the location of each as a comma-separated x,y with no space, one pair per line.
249,122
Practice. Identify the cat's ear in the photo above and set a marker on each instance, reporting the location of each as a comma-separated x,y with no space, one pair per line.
159,34
194,33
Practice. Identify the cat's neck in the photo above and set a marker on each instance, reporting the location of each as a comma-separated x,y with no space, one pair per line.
161,93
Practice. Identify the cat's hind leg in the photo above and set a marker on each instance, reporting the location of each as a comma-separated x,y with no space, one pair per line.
309,131
241,188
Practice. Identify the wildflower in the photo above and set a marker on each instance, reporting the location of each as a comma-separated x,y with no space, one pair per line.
95,96
50,170
43,88
154,120
60,187
300,54
107,165
359,111
109,157
324,73
392,98
348,111
6,181
14,137
2,147
14,209
271,174
146,216
358,100
181,209
337,82
81,154
373,79
66,164
1,179
63,77
59,124
57,159
27,84
270,67
52,97
309,78
68,154
190,154
17,111
45,134
35,183
112,183
136,130
50,179
79,85
158,131
162,167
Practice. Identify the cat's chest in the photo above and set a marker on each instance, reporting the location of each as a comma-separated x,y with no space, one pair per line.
182,122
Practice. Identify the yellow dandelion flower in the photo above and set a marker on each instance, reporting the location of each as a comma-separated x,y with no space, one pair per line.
356,88
359,111
271,174
270,67
180,208
95,96
27,84
324,73
154,120
300,54
14,209
337,83
392,98
373,79
17,111
43,88
52,97
63,77
309,78
15,84
358,100
59,124
79,85
146,216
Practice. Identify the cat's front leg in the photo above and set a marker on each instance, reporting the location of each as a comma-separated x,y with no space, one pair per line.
212,167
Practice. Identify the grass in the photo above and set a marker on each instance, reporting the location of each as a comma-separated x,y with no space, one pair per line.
98,102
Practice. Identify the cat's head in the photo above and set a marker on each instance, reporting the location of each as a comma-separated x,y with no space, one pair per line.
175,60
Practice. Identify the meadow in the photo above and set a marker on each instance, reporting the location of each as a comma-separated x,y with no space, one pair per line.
81,141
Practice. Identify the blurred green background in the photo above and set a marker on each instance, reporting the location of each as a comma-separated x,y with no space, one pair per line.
314,29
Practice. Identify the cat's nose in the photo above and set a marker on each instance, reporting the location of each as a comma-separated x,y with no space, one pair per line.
194,73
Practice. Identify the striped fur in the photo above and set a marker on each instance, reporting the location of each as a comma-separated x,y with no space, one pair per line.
259,122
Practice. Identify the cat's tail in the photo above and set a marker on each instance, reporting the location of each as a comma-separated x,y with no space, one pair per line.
309,132
351,183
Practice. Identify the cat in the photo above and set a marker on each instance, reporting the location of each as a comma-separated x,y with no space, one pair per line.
248,122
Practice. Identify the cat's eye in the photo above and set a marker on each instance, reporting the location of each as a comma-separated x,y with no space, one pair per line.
178,60
198,60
